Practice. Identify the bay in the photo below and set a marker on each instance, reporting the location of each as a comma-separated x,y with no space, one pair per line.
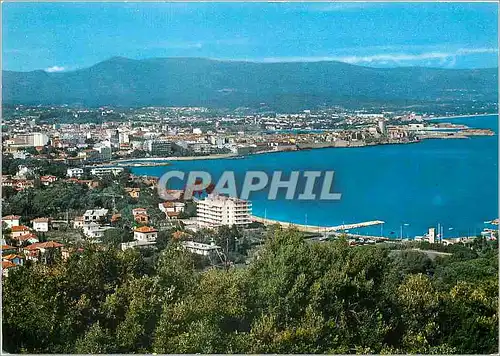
453,182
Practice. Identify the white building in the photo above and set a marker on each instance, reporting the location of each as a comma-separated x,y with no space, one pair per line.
172,208
20,230
217,210
200,248
100,171
381,126
74,172
137,244
40,139
11,220
145,233
94,230
95,215
34,139
432,235
41,224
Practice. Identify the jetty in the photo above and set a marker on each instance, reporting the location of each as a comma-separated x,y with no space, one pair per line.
334,230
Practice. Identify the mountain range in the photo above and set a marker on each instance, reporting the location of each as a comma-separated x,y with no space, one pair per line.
229,84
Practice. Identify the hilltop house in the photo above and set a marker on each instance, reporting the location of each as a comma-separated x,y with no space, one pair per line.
41,224
133,192
140,215
11,220
145,233
41,251
20,230
97,215
172,208
47,180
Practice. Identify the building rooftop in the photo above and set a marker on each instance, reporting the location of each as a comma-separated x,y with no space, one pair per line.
199,245
19,228
145,229
11,217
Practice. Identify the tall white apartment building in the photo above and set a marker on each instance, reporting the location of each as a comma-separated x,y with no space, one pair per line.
217,210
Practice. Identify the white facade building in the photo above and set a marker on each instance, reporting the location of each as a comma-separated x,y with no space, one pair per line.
218,210
11,220
74,172
200,248
41,224
100,171
145,233
95,215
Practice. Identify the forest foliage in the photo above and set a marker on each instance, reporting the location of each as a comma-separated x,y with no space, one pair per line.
294,297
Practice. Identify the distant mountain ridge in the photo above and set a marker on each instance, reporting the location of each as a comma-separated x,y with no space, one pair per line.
213,83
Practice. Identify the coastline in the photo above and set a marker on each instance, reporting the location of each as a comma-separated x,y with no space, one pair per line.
175,158
457,116
333,230
135,162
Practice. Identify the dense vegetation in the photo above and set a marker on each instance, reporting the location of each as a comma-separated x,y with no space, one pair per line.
279,86
294,297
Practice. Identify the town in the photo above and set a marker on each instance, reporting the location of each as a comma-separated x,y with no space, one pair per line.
68,135
67,186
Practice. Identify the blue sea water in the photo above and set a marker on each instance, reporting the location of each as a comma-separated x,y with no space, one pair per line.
452,182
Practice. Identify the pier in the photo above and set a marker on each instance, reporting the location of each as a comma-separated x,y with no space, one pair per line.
333,230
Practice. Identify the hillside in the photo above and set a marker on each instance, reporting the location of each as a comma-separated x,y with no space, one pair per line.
203,82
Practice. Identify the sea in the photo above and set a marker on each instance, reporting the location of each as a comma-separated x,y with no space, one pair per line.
411,187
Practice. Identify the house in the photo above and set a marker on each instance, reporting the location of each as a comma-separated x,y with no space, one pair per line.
141,218
101,171
78,222
137,244
11,220
137,211
15,259
17,231
97,215
94,230
40,251
172,207
47,180
41,224
140,215
21,184
74,172
68,252
6,249
200,248
26,239
145,233
133,192
6,266
115,218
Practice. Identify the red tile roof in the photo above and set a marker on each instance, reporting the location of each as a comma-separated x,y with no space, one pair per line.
11,256
7,264
19,228
48,244
26,237
7,247
145,229
52,244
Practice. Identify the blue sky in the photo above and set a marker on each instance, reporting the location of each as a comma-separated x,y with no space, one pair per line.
67,36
